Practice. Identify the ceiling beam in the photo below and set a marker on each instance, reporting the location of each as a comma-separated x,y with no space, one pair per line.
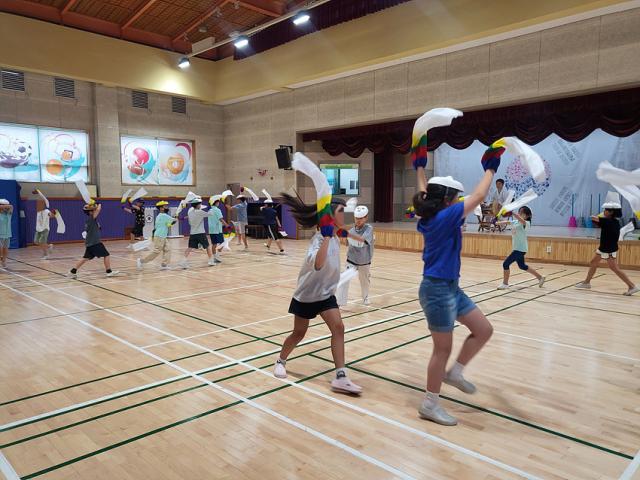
198,21
138,13
68,6
265,7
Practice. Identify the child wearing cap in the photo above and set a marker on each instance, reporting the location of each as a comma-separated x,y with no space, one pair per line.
6,211
93,246
42,228
443,301
608,249
359,255
160,243
197,236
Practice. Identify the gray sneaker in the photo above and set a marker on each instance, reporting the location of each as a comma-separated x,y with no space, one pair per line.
583,285
460,383
437,414
631,291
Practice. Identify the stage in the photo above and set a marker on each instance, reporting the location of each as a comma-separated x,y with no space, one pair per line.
565,245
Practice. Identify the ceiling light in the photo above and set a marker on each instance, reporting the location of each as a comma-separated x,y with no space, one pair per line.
184,62
241,41
301,18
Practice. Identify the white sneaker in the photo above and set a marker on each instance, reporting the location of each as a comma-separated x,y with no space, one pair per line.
165,267
282,252
130,246
113,273
541,282
72,275
279,370
503,286
217,259
139,264
45,257
184,264
631,291
583,285
344,385
437,414
366,301
212,262
460,383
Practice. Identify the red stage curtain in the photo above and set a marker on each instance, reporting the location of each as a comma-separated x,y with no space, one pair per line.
573,119
383,186
324,16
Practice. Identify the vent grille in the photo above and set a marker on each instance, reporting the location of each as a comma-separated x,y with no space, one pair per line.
139,99
179,105
12,80
63,87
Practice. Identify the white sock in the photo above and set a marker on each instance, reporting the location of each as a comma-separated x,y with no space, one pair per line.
283,362
456,370
341,372
431,400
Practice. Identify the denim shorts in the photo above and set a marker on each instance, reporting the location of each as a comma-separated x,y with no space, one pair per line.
443,301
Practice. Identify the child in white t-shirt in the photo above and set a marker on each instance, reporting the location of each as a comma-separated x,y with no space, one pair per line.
41,237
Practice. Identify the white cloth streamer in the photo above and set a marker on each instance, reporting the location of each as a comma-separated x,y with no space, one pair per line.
62,228
530,159
616,176
526,197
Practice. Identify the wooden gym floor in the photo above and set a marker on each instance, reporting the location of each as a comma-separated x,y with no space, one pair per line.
167,375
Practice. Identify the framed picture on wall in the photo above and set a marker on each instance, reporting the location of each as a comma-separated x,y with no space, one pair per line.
157,161
30,153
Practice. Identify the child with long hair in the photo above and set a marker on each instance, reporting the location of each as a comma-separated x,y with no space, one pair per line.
442,299
320,273
608,249
520,247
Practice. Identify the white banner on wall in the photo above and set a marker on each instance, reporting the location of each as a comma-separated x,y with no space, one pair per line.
570,167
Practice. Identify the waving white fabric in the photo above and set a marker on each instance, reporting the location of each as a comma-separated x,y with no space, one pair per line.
632,195
526,197
45,199
84,192
125,195
62,228
266,194
530,159
253,195
436,117
136,247
628,228
139,194
617,176
352,203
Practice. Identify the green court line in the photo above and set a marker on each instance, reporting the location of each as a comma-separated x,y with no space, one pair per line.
235,345
277,388
495,413
163,428
150,303
49,317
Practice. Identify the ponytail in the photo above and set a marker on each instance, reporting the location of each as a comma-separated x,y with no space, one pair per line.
428,204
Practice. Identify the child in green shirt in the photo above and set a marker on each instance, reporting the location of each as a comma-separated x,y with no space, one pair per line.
520,247
160,234
6,211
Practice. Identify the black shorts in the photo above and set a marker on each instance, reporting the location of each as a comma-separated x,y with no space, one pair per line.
272,232
198,239
217,238
137,230
311,310
98,250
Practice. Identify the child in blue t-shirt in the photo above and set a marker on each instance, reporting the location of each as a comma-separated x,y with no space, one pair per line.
442,215
520,247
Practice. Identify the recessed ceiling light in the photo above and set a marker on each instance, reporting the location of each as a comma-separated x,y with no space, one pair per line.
241,41
301,18
184,62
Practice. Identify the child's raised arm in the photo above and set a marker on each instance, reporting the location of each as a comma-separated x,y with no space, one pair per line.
490,162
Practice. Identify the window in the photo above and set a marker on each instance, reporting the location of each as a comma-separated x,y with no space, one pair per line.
343,178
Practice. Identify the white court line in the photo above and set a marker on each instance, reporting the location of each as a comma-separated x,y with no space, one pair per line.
7,470
631,468
433,438
275,318
325,438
